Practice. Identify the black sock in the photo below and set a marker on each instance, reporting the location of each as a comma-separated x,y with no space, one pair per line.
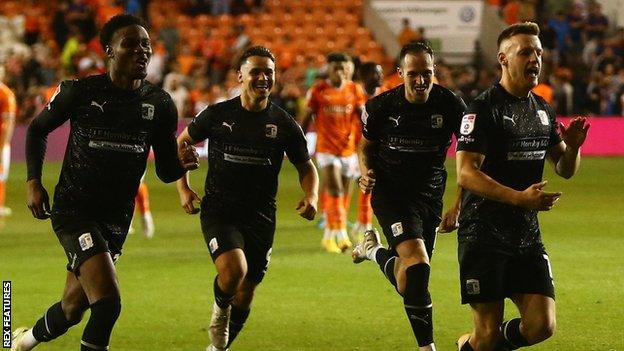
222,299
237,321
466,346
385,260
512,338
97,332
418,304
52,325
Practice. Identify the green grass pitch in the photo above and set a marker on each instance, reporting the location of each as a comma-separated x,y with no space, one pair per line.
311,300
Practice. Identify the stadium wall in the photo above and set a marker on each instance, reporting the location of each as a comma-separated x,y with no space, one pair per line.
605,139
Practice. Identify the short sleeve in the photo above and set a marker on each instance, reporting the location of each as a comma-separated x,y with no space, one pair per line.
459,108
200,126
475,128
296,145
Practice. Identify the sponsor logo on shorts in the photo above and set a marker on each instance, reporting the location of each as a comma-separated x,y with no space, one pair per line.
85,241
397,228
467,123
543,116
213,245
72,257
437,121
473,287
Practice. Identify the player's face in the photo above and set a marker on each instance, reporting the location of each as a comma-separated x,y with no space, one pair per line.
337,72
374,78
417,73
521,59
257,76
130,51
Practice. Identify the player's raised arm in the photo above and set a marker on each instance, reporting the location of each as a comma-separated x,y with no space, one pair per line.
309,181
566,155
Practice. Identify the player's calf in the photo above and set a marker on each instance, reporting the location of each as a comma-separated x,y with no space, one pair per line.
418,304
97,332
54,323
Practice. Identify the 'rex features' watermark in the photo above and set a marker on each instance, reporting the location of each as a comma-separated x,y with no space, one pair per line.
6,314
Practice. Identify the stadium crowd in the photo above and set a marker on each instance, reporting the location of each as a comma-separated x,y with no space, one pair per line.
196,42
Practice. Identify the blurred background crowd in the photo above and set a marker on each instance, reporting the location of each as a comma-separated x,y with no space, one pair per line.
196,42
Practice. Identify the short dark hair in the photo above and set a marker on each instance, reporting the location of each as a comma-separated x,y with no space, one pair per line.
368,68
530,28
117,22
338,57
415,48
255,51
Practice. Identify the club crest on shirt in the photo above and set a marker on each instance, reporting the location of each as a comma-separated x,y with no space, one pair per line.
85,241
467,123
147,111
270,131
437,121
543,116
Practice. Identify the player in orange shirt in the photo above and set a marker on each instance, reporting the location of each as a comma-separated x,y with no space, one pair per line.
8,110
371,77
334,104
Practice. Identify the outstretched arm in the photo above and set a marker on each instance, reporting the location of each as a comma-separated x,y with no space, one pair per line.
471,178
309,181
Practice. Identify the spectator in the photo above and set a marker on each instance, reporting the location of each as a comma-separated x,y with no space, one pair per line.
407,34
597,23
175,85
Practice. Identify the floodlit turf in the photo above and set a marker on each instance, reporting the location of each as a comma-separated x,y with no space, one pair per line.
311,300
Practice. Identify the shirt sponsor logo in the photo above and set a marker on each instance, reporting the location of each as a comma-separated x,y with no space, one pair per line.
85,241
147,111
467,123
397,228
270,131
526,155
248,160
111,146
543,116
437,121
473,287
213,245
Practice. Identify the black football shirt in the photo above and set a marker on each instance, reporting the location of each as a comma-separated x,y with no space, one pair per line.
411,142
245,154
515,135
111,133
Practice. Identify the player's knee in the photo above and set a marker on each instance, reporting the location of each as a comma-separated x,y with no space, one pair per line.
540,330
107,309
74,310
487,337
232,276
417,285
